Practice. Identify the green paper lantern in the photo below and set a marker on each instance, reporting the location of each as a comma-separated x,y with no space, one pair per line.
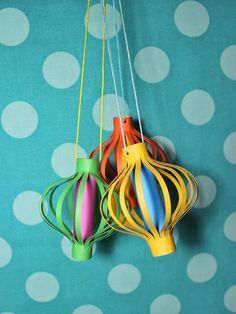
74,208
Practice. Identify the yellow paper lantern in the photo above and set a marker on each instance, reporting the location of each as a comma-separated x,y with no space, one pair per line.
165,193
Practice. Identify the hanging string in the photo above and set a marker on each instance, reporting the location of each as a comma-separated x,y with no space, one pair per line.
131,71
82,82
114,78
103,84
118,50
82,79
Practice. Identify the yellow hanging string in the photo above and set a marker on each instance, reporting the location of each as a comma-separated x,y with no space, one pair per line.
103,83
82,79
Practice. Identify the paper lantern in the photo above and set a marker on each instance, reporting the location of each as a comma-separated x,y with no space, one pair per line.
111,164
113,147
74,208
165,193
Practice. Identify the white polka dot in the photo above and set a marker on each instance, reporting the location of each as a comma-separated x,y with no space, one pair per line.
230,148
201,267
230,299
87,309
5,252
228,62
42,287
167,145
230,227
110,111
26,207
63,162
165,304
66,247
61,69
198,107
207,191
191,18
19,119
96,21
152,64
176,235
124,278
14,27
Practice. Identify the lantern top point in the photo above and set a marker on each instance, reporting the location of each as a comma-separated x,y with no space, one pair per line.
127,121
87,165
134,151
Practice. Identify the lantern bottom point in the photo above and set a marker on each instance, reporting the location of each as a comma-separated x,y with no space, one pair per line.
81,252
162,245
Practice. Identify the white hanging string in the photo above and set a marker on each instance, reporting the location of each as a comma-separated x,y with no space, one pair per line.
113,76
131,71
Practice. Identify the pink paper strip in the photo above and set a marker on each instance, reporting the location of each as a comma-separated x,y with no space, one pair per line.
88,208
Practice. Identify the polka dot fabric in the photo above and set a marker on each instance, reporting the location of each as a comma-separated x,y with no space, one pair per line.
184,59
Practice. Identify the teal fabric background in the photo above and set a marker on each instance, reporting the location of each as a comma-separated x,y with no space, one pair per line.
184,55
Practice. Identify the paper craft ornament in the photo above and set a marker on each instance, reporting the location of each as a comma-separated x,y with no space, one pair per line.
74,208
165,193
74,201
113,147
111,164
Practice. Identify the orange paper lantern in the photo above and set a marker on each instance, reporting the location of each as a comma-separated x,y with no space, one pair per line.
111,164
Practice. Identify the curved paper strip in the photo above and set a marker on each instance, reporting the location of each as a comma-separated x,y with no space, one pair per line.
88,207
152,197
79,203
113,150
158,213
